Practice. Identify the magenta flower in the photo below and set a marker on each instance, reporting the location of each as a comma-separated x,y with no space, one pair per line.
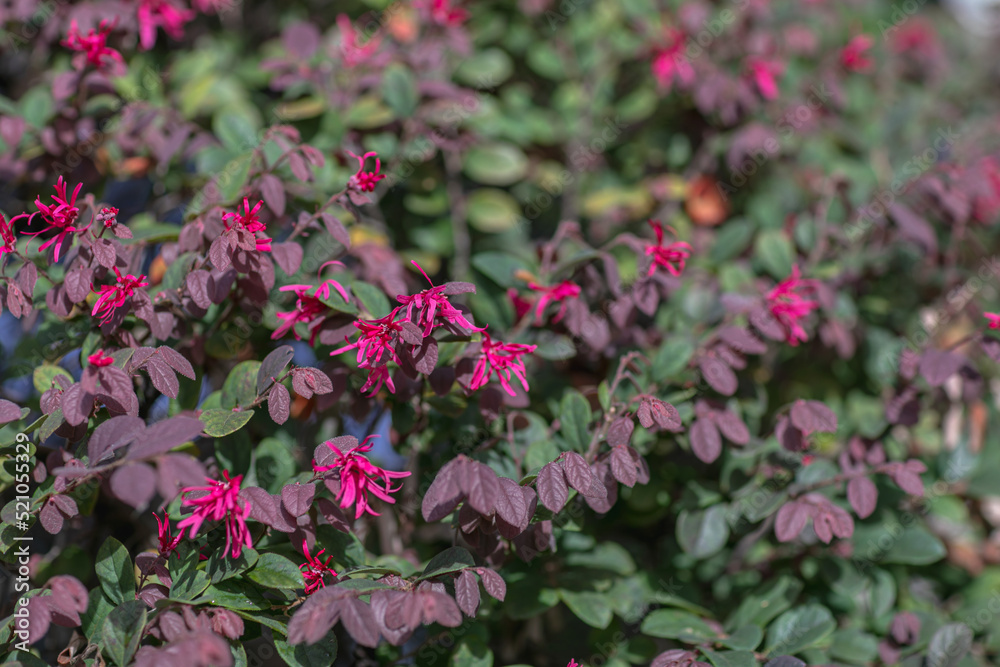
167,542
8,241
994,319
108,217
313,570
765,74
308,308
853,56
671,257
572,663
557,294
359,477
443,13
115,296
521,305
502,359
788,306
377,376
431,304
670,62
60,216
364,181
153,14
378,338
352,52
220,502
99,360
93,47
249,221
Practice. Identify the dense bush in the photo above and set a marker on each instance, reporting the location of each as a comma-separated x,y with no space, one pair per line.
606,332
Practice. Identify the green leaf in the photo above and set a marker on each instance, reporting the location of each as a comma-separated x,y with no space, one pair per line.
949,645
609,556
235,131
499,163
451,559
92,620
240,387
398,90
799,629
680,625
892,543
234,594
730,658
472,651
321,654
189,585
233,178
854,646
590,607
493,211
45,374
485,69
775,252
344,547
219,422
123,630
574,420
702,533
114,571
732,239
52,422
274,571
499,267
372,298
746,638
671,359
760,608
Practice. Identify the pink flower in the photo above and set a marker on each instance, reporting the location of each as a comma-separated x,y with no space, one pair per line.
60,216
789,307
557,294
7,237
353,53
221,502
671,257
115,296
377,376
313,570
359,477
108,217
572,663
167,543
670,62
378,338
93,46
249,221
153,14
99,360
994,319
502,359
364,181
307,309
765,73
853,55
521,306
443,13
431,304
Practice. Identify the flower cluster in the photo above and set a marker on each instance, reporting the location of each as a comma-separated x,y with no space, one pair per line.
365,181
503,360
93,47
788,306
360,478
60,216
314,570
672,257
219,501
249,222
114,296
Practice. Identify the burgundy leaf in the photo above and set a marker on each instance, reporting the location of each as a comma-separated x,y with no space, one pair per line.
718,375
359,621
176,361
288,256
442,608
765,322
267,509
411,333
39,617
333,515
218,252
623,466
493,583
467,593
9,412
620,431
813,416
790,521
510,504
273,192
163,436
732,427
907,477
552,488
642,468
297,498
665,415
480,485
425,357
104,253
705,440
163,377
581,477
316,616
742,340
789,436
444,493
111,435
454,288
279,403
863,496
645,414
50,517
603,504
77,284
69,598
936,366
198,287
134,484
336,229
308,381
178,471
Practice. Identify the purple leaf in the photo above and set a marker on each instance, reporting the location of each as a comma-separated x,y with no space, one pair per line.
316,616
279,403
163,376
467,593
165,435
790,521
336,229
178,471
177,361
493,583
425,357
813,416
718,375
76,405
732,427
297,498
665,415
272,190
359,621
267,509
444,493
480,485
104,253
411,333
620,431
69,599
134,484
552,488
288,256
580,477
9,412
510,505
705,440
623,466
219,253
111,435
936,366
198,287
308,381
863,496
